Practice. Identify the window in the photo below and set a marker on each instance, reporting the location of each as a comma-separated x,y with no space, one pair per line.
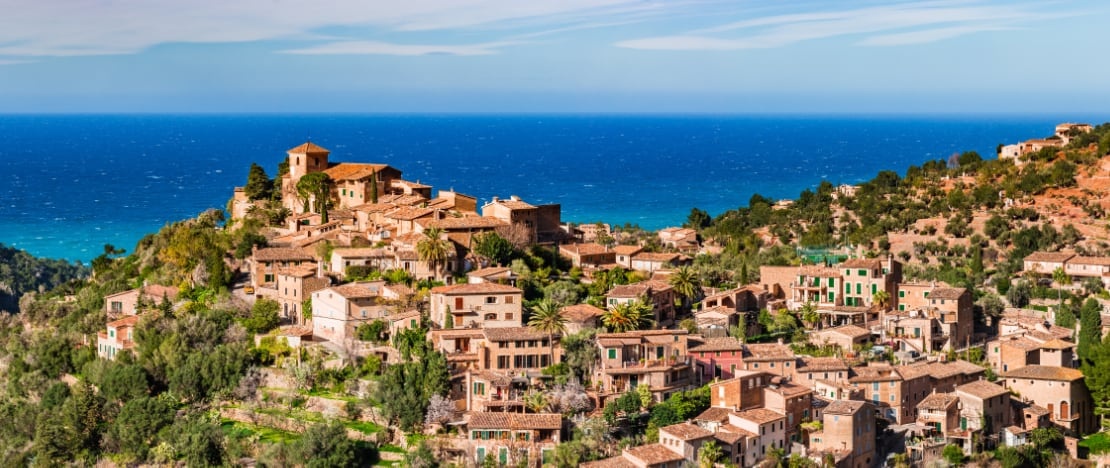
508,316
901,294
111,333
458,303
491,300
862,272
117,306
612,353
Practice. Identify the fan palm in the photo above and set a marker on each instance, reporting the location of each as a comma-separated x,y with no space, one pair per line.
547,318
626,316
685,282
433,249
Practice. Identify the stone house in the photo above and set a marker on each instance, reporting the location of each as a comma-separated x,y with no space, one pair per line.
1061,390
581,317
845,337
1044,263
500,275
848,433
657,358
588,255
265,263
717,358
338,311
118,337
517,350
512,438
685,439
128,302
651,262
680,239
482,305
792,400
624,254
984,407
293,286
341,259
768,429
863,277
540,223
658,295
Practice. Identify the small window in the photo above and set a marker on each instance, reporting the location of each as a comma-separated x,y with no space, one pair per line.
491,300
508,299
612,353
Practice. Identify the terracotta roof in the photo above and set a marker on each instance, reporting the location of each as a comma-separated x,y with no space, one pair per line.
759,415
303,271
611,462
512,334
714,415
488,420
851,331
869,263
128,321
466,222
937,401
735,433
845,406
409,213
627,249
480,288
947,293
718,344
308,147
399,289
883,373
1057,343
299,330
272,254
489,271
361,253
1080,260
686,431
354,291
656,257
1045,373
818,271
584,249
788,389
821,364
768,352
581,313
1020,342
628,290
1048,257
653,454
314,284
514,204
982,389
912,372
374,207
353,171
965,367
403,316
158,291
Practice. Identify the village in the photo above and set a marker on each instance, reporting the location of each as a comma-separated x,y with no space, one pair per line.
842,361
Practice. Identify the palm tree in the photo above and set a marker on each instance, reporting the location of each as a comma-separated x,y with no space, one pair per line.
881,299
548,318
432,248
627,316
1061,278
809,314
686,283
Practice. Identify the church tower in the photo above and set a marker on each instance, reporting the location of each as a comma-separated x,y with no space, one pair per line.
306,159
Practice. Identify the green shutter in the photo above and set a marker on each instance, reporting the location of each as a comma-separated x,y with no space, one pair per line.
831,282
901,294
874,288
862,272
612,353
859,288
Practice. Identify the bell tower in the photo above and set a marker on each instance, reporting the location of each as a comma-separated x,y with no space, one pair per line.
306,159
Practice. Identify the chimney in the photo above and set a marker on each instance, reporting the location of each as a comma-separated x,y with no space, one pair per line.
514,198
495,199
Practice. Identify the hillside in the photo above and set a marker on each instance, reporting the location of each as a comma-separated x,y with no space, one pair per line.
20,272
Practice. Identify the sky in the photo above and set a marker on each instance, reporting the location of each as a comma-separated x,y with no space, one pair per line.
687,56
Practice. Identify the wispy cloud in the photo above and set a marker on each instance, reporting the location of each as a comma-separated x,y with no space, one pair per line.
36,28
13,62
387,48
897,24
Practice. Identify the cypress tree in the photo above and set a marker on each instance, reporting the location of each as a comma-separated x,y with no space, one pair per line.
1090,328
374,187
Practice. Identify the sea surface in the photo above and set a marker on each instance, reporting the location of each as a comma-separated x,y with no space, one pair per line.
71,184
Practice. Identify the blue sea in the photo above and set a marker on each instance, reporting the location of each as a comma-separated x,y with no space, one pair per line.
74,183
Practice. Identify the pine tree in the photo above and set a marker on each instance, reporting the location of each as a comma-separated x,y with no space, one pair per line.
1090,328
259,185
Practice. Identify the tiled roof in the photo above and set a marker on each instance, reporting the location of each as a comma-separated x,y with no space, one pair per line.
466,222
627,249
759,415
912,372
718,344
1020,342
845,406
409,213
354,291
818,271
1048,257
299,330
399,289
488,420
583,249
869,263
1098,261
1057,343
768,352
981,389
308,147
272,254
489,271
353,171
654,454
374,207
628,290
789,389
611,462
686,431
656,257
714,414
159,291
512,334
403,316
480,288
821,364
128,321
735,432
947,293
514,204
1045,373
361,253
851,331
937,401
581,313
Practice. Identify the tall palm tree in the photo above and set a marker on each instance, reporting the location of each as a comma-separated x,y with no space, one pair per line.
433,249
547,318
881,299
686,283
626,316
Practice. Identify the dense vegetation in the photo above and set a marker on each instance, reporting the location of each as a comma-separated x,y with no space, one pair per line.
20,272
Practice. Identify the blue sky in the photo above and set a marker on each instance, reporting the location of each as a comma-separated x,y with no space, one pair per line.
946,56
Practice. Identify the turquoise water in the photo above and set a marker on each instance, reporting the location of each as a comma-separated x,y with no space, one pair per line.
74,183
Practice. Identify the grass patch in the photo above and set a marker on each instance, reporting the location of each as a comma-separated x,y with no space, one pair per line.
323,393
1097,443
415,439
391,448
267,435
364,427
